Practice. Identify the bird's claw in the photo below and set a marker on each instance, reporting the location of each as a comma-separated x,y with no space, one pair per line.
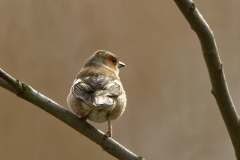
109,134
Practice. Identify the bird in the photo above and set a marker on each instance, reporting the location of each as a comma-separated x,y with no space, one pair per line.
97,93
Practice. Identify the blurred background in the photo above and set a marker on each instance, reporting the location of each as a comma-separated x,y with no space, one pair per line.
171,113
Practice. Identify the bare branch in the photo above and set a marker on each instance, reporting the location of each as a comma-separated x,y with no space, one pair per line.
26,92
10,83
215,69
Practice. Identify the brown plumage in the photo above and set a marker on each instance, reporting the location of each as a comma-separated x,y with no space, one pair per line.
97,93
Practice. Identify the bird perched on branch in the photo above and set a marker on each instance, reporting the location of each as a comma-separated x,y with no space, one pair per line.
97,93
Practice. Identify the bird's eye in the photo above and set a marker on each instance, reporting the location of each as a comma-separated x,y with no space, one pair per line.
114,60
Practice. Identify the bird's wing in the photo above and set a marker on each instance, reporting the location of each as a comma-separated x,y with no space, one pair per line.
98,90
81,90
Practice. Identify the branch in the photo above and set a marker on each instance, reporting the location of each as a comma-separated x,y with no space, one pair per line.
215,69
26,92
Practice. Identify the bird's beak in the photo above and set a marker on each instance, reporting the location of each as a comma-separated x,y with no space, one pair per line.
120,65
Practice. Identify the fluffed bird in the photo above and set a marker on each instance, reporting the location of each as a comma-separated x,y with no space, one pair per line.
97,93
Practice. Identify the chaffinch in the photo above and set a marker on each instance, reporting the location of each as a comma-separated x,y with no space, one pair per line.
97,93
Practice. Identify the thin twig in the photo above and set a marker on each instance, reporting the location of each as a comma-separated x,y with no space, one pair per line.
5,85
215,69
13,83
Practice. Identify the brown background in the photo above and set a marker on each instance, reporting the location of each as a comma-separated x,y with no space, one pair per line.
171,113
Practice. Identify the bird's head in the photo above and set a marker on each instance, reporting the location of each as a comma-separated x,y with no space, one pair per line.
105,59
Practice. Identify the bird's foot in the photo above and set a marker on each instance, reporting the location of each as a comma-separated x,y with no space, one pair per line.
109,134
84,120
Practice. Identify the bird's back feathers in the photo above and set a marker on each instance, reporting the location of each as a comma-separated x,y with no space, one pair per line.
98,90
